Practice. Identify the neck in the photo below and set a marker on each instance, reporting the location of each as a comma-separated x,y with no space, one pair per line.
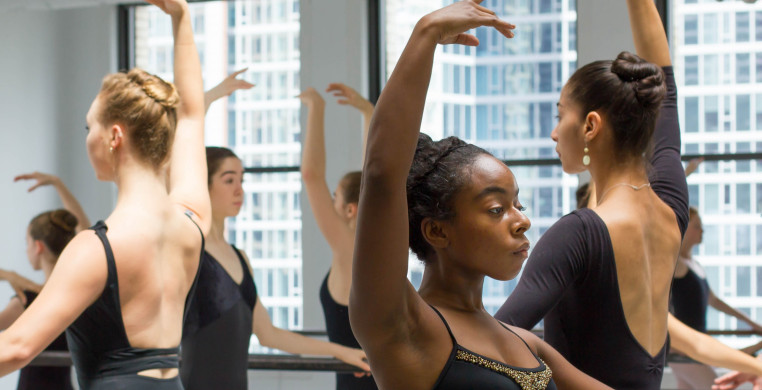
685,251
47,263
606,175
457,289
217,232
139,184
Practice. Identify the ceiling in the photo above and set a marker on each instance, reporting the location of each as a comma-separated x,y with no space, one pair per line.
10,5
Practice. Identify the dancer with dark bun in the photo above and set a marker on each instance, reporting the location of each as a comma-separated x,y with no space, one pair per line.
456,206
601,277
225,310
121,288
336,216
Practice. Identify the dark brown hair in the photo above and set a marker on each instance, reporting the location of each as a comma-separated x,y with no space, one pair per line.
350,185
145,105
627,92
214,157
437,175
54,228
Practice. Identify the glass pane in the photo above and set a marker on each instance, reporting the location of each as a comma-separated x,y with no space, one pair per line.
261,125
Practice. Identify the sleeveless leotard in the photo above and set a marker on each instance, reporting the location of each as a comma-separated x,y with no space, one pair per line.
690,298
99,346
340,332
469,370
215,346
40,377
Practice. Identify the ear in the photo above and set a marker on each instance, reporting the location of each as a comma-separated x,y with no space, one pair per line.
351,210
117,136
38,247
593,125
435,233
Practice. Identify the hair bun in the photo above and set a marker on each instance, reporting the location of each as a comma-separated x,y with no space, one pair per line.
63,220
161,91
647,78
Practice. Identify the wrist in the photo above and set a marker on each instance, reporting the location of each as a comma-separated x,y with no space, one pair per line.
426,29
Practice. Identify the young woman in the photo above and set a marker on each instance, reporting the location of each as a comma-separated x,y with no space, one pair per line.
121,289
601,277
225,309
46,237
691,296
336,216
457,208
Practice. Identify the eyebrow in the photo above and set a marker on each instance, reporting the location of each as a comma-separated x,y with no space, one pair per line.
229,172
491,190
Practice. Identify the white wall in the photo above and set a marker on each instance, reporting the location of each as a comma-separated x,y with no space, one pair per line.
51,69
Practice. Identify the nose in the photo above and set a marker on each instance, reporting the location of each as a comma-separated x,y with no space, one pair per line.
522,224
554,134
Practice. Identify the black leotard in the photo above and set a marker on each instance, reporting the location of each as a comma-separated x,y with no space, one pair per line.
340,332
39,377
571,281
99,346
469,370
215,346
690,297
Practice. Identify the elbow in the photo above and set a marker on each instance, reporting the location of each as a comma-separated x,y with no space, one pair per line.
16,354
310,174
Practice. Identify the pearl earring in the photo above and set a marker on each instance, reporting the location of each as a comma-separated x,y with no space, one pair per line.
586,157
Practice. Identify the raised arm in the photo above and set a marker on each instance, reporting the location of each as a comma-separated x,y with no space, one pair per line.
706,349
348,96
187,166
287,341
70,202
648,32
334,229
384,306
226,87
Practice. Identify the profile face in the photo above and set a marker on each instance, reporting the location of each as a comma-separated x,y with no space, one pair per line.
97,142
694,234
569,134
226,188
488,230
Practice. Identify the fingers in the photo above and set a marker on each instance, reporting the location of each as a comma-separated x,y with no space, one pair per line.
34,187
20,294
238,72
336,87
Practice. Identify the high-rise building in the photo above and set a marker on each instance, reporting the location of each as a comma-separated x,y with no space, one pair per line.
501,96
717,48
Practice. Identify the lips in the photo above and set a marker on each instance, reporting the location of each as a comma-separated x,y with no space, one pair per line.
523,249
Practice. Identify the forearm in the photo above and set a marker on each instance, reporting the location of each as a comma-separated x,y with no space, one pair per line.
187,67
313,152
648,32
13,355
720,305
71,204
210,97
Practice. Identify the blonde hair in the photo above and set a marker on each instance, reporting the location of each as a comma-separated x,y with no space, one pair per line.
145,104
692,212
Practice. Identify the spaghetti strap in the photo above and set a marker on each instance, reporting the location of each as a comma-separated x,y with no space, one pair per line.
454,342
100,230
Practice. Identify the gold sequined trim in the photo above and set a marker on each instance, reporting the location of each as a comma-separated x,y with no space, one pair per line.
526,379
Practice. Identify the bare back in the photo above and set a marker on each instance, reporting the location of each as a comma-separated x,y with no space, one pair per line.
157,254
646,240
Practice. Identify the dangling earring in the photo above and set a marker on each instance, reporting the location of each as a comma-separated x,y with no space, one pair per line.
586,157
111,149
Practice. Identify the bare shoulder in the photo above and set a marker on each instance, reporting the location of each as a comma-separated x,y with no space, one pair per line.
530,338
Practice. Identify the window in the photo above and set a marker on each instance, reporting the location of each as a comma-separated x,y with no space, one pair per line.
268,228
506,101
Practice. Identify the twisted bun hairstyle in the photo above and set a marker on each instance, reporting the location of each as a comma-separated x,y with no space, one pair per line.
54,228
146,105
437,175
628,92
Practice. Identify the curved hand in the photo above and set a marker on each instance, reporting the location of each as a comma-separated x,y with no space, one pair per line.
42,179
171,7
355,357
693,165
348,96
734,379
19,284
450,24
310,97
226,87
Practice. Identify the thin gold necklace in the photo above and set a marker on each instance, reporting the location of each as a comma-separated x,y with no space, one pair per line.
636,188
